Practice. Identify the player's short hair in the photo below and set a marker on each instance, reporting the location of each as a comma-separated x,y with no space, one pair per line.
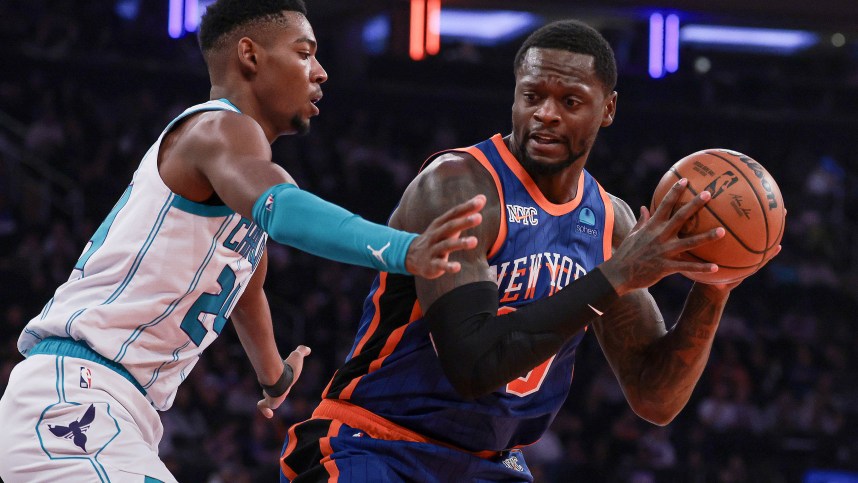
225,16
577,37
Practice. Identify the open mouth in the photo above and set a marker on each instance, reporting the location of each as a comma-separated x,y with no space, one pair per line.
544,138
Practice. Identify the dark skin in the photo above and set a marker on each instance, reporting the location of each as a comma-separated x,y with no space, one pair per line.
559,107
272,75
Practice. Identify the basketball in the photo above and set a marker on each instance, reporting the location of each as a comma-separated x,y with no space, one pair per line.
746,201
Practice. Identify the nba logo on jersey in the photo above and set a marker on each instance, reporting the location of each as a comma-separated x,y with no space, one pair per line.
269,202
85,377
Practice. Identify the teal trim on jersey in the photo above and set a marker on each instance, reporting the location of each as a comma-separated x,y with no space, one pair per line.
71,319
33,333
191,113
226,101
59,365
169,310
199,209
46,309
62,346
158,370
100,234
142,253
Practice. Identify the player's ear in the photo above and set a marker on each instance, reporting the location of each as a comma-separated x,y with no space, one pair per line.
610,109
248,52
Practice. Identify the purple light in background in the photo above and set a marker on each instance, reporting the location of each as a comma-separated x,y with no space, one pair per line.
656,45
671,43
174,24
776,40
192,15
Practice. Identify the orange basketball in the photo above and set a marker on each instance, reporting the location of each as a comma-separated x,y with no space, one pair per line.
746,201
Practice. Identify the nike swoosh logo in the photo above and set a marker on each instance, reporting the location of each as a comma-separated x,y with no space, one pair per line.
594,309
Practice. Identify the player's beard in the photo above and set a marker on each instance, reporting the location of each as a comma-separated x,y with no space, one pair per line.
546,169
300,125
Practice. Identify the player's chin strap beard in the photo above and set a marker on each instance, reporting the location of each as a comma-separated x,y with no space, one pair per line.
545,169
300,125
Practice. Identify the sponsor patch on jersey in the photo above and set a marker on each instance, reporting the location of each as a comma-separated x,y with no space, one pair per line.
587,217
85,377
524,215
587,222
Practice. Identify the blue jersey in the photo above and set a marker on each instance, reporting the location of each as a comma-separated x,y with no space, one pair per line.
393,370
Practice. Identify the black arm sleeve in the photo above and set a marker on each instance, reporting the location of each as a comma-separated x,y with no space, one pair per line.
481,351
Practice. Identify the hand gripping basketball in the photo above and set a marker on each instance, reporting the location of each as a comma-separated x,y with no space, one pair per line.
654,249
746,201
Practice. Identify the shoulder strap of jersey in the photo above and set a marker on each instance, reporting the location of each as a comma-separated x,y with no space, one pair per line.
481,158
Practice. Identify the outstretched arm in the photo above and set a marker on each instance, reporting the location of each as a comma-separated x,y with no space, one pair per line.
657,368
226,154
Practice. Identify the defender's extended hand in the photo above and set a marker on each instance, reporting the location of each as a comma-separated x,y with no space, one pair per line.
296,361
654,250
428,255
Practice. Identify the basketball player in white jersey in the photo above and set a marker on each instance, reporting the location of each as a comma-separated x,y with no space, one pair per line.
183,250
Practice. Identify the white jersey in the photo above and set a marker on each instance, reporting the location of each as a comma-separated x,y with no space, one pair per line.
157,281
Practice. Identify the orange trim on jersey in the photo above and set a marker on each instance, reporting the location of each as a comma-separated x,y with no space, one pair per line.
379,427
608,234
393,340
327,451
328,387
515,166
293,441
502,231
373,325
389,346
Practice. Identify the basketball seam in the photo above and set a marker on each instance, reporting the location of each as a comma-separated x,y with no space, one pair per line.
723,225
757,195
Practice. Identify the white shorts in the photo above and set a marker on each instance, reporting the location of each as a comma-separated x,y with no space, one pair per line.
68,419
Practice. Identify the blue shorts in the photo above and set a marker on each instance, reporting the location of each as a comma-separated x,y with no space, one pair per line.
321,449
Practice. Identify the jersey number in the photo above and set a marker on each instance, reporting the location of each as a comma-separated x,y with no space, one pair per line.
211,303
532,381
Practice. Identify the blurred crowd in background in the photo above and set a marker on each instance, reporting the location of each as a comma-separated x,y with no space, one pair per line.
79,107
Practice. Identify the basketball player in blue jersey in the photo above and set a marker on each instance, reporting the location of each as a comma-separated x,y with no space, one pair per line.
448,377
182,251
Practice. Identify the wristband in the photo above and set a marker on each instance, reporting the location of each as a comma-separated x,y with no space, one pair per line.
282,385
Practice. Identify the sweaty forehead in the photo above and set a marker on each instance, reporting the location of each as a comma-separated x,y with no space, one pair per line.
556,64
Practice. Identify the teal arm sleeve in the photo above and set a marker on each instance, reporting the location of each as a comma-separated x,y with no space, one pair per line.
294,217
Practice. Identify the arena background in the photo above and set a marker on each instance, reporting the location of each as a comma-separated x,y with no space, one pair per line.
85,87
